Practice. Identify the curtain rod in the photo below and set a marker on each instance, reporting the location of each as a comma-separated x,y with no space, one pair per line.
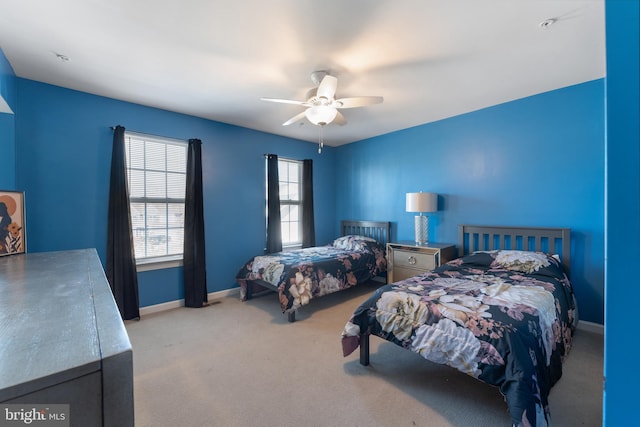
152,135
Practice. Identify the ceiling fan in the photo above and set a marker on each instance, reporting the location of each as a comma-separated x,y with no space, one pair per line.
322,107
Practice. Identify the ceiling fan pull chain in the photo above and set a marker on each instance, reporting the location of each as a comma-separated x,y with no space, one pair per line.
321,142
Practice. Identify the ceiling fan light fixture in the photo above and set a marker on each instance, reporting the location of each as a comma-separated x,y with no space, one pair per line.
321,115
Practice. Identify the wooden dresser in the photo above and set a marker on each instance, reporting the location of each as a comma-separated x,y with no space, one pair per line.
407,259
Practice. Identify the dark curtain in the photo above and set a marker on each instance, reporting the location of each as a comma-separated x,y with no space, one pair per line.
121,264
195,274
274,229
308,224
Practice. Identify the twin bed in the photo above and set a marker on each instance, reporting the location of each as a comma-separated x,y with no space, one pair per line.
301,275
503,312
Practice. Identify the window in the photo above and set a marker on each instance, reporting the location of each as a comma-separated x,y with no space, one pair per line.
290,177
156,170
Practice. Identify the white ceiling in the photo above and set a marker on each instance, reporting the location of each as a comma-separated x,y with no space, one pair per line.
429,59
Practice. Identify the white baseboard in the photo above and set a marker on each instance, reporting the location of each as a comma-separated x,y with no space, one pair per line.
591,327
211,297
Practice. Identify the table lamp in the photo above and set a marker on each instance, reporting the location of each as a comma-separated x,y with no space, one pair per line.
422,202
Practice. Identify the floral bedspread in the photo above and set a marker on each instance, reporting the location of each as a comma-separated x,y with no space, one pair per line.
504,317
304,274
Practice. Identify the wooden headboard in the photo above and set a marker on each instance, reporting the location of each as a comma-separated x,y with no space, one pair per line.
378,230
487,238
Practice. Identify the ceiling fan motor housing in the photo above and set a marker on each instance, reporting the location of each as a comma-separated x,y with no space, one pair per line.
317,76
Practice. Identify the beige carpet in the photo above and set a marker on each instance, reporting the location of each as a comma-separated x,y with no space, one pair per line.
243,364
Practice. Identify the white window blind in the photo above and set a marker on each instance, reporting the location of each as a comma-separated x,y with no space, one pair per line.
156,171
290,179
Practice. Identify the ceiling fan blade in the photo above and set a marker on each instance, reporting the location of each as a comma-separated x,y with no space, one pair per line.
327,87
339,120
357,101
284,101
294,119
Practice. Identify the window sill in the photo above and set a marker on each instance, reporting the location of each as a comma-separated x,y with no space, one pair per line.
149,264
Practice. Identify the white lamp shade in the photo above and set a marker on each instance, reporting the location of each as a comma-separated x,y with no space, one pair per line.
422,202
321,114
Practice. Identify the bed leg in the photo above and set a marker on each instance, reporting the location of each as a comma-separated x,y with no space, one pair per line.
291,316
364,349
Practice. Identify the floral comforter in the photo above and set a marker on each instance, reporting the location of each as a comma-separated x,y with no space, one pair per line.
303,274
504,317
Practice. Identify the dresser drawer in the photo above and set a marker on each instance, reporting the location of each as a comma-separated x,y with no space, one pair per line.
400,273
416,260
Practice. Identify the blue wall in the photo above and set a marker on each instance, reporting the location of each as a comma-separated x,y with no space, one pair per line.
64,154
534,161
537,161
623,213
7,125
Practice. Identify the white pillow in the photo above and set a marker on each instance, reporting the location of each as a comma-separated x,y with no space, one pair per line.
352,242
524,261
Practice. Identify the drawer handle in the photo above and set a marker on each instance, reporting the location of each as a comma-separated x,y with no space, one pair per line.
412,260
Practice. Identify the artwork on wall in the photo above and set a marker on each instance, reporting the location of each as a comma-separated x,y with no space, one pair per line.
12,220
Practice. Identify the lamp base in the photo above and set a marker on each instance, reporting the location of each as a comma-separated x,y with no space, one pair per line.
421,229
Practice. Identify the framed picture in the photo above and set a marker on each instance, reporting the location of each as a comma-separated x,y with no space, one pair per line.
12,223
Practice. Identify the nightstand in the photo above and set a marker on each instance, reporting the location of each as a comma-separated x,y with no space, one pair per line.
408,259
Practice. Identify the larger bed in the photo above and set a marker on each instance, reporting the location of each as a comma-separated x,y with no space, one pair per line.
302,275
504,313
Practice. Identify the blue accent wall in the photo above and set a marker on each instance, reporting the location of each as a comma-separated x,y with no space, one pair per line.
537,161
623,213
534,161
64,155
8,149
7,126
7,81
